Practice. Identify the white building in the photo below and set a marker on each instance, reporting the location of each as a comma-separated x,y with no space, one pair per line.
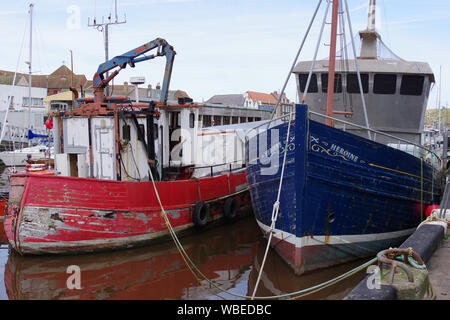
20,96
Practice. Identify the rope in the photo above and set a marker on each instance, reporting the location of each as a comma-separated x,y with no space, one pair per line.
421,189
276,205
432,218
295,60
198,274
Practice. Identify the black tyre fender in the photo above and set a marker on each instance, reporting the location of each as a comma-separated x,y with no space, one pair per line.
201,214
230,209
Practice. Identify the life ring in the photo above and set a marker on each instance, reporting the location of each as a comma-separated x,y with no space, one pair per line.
201,214
230,209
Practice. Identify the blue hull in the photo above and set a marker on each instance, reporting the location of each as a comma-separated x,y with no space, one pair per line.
343,197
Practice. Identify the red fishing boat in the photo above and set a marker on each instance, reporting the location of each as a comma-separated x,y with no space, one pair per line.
110,157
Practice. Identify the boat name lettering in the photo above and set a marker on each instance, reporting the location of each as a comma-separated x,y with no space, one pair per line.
348,155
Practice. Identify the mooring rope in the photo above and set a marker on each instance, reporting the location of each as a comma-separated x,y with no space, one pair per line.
193,268
275,208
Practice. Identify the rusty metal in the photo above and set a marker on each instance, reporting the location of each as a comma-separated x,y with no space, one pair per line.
388,256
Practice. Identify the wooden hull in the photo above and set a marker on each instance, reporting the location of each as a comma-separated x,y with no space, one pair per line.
343,197
65,215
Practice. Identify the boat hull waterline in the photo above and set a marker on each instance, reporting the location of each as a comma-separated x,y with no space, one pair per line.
343,197
65,215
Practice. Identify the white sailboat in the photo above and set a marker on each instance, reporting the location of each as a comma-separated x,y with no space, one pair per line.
19,157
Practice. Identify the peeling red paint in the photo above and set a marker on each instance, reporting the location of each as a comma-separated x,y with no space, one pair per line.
56,214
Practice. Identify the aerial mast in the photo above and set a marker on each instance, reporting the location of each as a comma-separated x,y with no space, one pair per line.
104,27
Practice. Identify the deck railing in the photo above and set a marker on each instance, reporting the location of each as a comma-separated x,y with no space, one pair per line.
285,118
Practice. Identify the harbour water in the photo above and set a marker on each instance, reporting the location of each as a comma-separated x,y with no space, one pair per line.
230,255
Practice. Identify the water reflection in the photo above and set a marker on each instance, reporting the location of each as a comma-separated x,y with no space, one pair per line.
229,255
279,279
154,272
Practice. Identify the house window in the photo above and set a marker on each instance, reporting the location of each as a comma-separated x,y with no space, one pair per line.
353,83
384,83
337,82
235,120
303,79
226,120
34,101
412,85
243,119
250,119
11,102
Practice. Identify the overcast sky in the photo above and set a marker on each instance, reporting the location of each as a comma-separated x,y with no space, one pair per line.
223,46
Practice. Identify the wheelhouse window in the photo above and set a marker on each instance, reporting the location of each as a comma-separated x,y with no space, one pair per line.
303,79
412,85
384,83
206,121
353,83
337,82
217,120
191,120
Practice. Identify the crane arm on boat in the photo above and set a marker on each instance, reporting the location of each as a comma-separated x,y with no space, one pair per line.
131,58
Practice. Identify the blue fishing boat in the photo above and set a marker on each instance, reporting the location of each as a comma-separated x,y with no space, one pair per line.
327,190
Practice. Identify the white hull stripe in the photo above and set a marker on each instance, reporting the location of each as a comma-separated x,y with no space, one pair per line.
306,241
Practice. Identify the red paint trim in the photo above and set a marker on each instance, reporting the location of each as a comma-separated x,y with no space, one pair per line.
212,131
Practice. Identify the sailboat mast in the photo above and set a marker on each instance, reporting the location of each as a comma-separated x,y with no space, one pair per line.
29,67
332,62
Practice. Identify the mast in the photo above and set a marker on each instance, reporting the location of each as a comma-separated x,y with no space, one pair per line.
369,36
104,27
332,62
371,16
29,68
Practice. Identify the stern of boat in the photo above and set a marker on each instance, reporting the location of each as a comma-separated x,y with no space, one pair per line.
13,209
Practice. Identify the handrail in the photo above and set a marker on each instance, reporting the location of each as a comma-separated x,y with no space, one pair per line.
354,125
266,123
190,170
377,132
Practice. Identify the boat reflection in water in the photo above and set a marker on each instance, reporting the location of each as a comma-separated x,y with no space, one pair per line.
229,255
153,272
279,279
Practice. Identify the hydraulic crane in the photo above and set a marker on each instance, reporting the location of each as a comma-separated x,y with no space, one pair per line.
131,58
107,105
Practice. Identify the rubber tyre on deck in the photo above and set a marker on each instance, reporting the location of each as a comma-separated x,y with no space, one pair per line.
201,214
